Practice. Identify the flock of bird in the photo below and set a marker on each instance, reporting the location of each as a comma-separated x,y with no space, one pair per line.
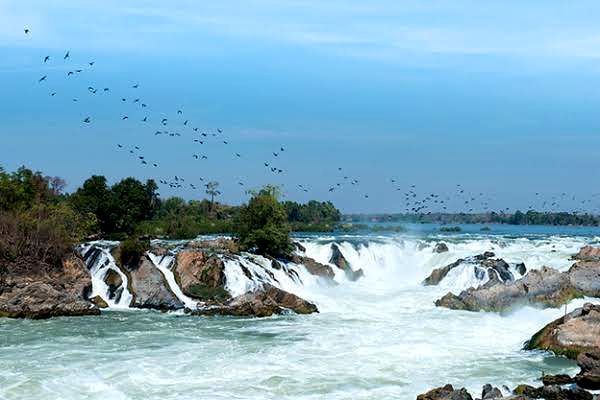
179,125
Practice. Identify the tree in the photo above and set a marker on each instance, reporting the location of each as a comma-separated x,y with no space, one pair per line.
262,225
212,190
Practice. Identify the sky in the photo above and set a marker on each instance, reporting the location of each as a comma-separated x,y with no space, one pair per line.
500,97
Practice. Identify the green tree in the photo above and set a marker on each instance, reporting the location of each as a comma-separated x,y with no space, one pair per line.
262,225
212,189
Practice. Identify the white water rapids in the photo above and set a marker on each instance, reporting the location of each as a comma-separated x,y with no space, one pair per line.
378,338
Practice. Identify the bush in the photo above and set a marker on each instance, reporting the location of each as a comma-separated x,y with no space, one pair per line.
132,250
262,225
450,229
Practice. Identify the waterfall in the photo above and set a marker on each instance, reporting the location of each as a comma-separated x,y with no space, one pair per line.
164,264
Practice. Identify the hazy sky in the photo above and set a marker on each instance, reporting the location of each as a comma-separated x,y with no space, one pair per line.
500,96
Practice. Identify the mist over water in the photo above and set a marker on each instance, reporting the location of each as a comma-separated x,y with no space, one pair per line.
378,338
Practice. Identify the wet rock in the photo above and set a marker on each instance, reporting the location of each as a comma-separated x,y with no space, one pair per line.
588,360
51,292
115,285
589,377
588,253
481,262
299,247
521,268
560,379
262,302
575,333
99,302
219,245
149,287
489,392
440,247
546,287
438,274
313,267
446,393
201,275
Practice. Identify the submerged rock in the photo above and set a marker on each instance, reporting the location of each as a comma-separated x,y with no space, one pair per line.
446,393
440,247
48,292
200,275
573,334
262,302
149,287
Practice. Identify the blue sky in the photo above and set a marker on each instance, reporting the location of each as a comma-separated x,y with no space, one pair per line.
499,96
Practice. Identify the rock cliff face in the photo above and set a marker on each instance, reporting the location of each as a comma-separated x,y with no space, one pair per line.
201,275
38,292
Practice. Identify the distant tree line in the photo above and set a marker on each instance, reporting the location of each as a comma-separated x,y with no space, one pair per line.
517,218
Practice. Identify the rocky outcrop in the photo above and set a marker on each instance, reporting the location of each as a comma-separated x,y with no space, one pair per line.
446,393
48,292
115,285
497,270
589,376
575,333
201,275
262,302
546,287
588,253
440,247
313,267
149,287
338,259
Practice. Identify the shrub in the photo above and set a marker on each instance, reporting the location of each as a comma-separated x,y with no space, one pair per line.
262,225
132,250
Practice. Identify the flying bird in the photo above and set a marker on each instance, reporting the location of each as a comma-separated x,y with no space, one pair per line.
87,120
26,30
46,58
67,55
43,78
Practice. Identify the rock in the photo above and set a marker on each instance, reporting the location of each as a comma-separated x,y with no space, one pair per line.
149,287
588,253
489,392
575,333
481,263
585,277
299,247
527,391
589,360
313,267
338,259
546,287
219,245
115,285
98,301
589,379
440,247
200,275
446,393
521,268
560,379
263,302
48,292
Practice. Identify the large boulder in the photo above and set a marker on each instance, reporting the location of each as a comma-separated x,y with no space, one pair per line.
585,277
588,253
589,377
150,288
573,334
446,393
47,292
201,275
263,302
546,287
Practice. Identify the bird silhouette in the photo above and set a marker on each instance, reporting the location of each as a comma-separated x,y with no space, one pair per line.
43,78
87,120
26,30
46,59
67,55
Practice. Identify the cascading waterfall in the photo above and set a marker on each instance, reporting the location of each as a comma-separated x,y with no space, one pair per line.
100,262
388,263
164,264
